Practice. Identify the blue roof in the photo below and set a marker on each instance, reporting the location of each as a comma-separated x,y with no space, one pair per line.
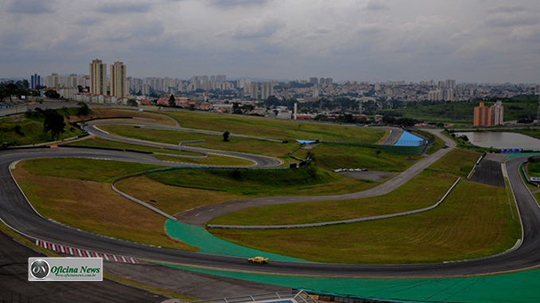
409,139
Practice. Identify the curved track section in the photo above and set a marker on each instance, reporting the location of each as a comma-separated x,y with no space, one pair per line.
260,161
16,212
201,215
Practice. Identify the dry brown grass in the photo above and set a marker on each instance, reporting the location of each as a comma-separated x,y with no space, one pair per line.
171,199
95,207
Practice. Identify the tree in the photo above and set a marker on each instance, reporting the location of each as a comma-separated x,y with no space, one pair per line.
132,102
226,135
83,109
236,109
54,122
52,94
172,101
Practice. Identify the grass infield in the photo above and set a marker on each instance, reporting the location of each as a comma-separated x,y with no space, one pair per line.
104,143
422,191
91,204
245,145
277,129
474,221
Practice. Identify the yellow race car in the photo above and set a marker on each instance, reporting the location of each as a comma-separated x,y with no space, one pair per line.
258,260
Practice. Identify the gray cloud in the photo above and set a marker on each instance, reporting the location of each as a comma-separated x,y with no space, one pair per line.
30,6
513,21
277,39
252,31
377,5
89,21
119,8
236,3
508,9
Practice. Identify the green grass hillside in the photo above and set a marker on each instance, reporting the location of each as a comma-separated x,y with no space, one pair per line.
474,221
278,129
421,191
22,131
303,181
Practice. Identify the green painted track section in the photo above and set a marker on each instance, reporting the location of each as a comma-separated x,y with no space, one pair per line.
517,155
515,287
210,244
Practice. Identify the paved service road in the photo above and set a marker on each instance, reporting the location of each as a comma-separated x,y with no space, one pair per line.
201,215
17,213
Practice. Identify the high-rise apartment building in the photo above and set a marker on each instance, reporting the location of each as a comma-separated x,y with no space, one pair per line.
35,81
482,115
497,113
254,90
314,80
489,116
98,77
72,81
119,88
267,90
53,81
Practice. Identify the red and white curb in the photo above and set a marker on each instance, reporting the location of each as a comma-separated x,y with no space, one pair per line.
85,253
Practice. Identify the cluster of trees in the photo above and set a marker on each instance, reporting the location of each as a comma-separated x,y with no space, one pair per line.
9,89
343,118
242,109
405,122
53,121
51,93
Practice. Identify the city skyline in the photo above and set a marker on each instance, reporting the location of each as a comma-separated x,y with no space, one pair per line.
347,40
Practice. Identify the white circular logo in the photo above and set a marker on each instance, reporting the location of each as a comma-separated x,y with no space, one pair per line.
40,269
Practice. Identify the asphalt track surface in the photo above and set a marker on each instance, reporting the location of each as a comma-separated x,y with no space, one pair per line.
144,124
15,287
201,215
260,161
17,213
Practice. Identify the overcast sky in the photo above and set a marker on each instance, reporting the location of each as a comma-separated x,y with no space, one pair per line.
365,40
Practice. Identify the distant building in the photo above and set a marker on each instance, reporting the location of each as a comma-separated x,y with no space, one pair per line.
314,80
482,115
254,90
98,77
489,116
497,113
35,81
267,90
72,81
448,94
435,95
53,81
119,87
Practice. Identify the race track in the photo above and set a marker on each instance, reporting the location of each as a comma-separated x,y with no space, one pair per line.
16,212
